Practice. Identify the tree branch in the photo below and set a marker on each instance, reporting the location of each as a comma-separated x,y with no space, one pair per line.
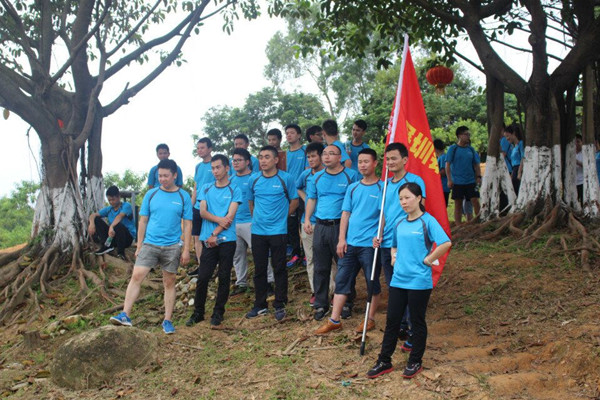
520,48
494,8
46,36
73,53
134,30
128,93
562,43
449,18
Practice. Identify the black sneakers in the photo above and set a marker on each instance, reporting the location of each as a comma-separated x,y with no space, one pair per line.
320,313
238,290
104,249
412,369
379,369
194,319
216,319
346,311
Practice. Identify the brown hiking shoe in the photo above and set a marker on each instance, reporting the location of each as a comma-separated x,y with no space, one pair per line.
328,327
370,326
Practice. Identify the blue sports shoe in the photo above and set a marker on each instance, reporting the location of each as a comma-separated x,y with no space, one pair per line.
121,319
168,327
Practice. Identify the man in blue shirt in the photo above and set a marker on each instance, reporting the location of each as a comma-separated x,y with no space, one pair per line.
332,136
354,146
159,241
358,226
439,147
296,163
464,173
219,203
273,198
325,196
202,175
314,134
162,152
243,222
120,227
241,141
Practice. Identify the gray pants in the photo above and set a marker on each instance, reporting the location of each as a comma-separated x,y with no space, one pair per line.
240,257
307,243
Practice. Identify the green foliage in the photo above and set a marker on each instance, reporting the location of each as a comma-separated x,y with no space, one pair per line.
17,214
262,111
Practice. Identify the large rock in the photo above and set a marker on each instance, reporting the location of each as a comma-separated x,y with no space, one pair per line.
95,357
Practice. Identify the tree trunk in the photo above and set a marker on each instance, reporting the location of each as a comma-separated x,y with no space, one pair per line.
59,214
591,189
93,184
496,178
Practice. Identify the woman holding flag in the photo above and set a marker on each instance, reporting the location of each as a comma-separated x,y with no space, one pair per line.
412,280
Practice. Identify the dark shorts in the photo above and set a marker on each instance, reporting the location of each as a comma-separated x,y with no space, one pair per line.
350,265
468,192
196,222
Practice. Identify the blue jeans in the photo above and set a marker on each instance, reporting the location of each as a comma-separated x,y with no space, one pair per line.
349,266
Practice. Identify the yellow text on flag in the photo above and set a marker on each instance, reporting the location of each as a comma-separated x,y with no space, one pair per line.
421,148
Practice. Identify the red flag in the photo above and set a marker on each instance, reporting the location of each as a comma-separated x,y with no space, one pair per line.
408,125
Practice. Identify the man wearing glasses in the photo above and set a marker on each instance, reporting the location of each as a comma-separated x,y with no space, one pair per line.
463,171
325,195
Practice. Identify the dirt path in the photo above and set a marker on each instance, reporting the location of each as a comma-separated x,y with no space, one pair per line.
502,325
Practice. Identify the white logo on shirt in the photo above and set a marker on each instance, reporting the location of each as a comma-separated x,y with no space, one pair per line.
373,196
417,233
276,186
342,184
174,202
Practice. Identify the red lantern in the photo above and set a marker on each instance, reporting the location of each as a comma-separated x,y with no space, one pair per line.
439,76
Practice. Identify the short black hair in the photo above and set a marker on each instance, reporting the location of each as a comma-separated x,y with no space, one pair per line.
275,132
516,130
243,137
313,130
112,191
206,141
294,127
461,129
371,152
222,158
439,144
312,147
242,152
271,149
361,124
168,164
397,146
162,146
330,127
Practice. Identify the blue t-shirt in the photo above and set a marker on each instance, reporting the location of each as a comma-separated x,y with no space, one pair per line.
354,150
329,191
442,166
165,210
392,210
363,202
409,270
218,200
243,215
505,147
202,176
516,154
342,148
271,197
296,162
125,208
462,160
302,184
153,177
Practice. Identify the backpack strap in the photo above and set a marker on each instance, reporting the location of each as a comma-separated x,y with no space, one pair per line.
284,186
347,176
428,244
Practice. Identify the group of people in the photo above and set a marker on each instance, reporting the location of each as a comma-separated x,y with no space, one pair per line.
322,200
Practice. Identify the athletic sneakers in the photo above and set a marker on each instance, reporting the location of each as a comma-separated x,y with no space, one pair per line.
194,272
104,249
239,290
312,300
121,319
379,369
320,313
406,347
403,334
194,319
257,312
370,326
168,327
328,326
280,313
412,369
347,311
293,261
216,319
304,261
